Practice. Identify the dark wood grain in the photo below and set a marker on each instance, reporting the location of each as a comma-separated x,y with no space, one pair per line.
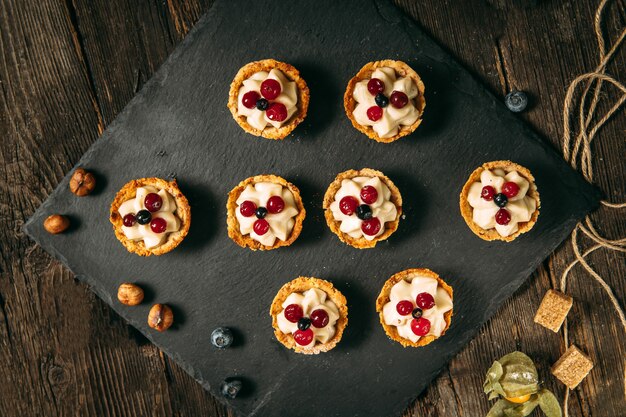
68,68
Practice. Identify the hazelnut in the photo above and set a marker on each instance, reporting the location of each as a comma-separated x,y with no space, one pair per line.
130,294
56,223
82,182
160,317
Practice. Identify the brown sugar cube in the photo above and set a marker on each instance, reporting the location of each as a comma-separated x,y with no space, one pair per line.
553,310
572,367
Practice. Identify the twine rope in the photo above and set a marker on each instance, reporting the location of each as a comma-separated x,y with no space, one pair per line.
579,149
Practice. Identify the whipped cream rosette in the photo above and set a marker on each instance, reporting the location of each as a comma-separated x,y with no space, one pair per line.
385,100
309,315
500,201
415,307
150,216
264,212
362,207
268,98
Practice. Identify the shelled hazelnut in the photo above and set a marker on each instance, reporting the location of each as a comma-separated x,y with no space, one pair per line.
56,224
160,317
130,294
82,182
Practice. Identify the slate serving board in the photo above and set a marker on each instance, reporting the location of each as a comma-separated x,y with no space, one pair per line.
178,125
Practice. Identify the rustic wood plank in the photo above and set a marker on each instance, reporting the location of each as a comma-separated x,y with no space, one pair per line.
68,68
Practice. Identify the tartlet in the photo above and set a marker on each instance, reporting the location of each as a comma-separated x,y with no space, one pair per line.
334,304
258,69
331,206
522,197
181,214
442,302
415,98
255,189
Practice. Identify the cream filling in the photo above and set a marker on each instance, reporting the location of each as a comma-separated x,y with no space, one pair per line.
311,300
281,224
382,208
288,96
143,232
404,290
521,207
388,125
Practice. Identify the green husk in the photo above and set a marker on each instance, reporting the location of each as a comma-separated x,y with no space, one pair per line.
549,404
515,375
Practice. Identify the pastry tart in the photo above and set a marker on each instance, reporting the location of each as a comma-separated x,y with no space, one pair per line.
385,100
268,98
309,315
150,216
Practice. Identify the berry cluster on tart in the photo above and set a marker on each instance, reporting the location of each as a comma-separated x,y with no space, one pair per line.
150,216
500,201
415,307
268,98
362,207
309,315
385,100
264,212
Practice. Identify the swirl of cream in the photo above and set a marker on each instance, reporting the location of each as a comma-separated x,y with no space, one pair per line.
382,208
288,96
404,290
521,207
281,224
143,231
388,125
310,300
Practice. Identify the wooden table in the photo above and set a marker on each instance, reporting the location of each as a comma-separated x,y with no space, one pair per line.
69,67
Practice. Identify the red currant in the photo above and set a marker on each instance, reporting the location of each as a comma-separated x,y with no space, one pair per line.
293,313
261,226
270,89
510,189
398,99
275,204
369,195
420,326
404,307
424,301
503,217
303,337
153,202
319,318
249,99
129,220
371,227
158,225
488,192
247,208
375,86
276,112
374,113
348,205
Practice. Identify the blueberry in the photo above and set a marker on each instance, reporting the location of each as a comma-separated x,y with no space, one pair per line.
364,212
222,337
381,100
516,101
417,313
500,200
304,323
143,217
262,104
230,388
261,212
